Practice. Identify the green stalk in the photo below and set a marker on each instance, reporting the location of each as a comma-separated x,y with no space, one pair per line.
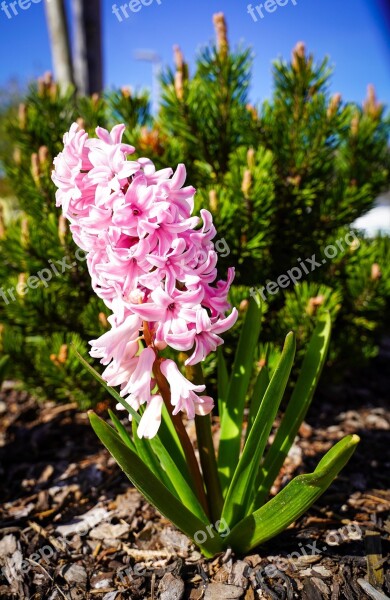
207,456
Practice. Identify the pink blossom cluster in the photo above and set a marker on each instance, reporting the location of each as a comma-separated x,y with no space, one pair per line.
152,263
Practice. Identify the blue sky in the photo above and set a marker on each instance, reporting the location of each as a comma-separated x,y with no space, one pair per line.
354,33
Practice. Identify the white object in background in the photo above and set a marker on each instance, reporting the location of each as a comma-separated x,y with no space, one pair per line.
377,220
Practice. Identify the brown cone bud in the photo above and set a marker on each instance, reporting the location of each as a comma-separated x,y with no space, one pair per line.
371,106
221,33
35,171
24,232
21,282
48,78
17,156
253,111
179,88
314,304
103,320
2,224
53,90
54,359
62,229
244,305
22,115
213,200
63,354
246,183
95,99
126,92
250,157
298,54
81,123
333,106
178,58
355,121
376,272
43,155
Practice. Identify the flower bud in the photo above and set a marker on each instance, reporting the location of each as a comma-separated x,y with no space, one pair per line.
221,33
81,123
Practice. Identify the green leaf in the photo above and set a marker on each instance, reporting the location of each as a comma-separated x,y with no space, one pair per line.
3,367
154,490
223,381
108,389
297,408
240,492
232,418
122,431
146,453
262,382
292,501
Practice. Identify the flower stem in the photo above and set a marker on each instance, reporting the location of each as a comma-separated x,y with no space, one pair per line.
183,436
208,459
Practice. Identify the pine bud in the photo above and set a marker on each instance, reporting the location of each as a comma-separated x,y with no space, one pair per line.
81,123
355,124
43,155
17,156
253,111
221,33
24,233
2,223
376,272
22,114
314,304
250,157
178,58
95,99
246,183
21,283
48,78
54,359
333,106
103,320
63,354
244,304
298,55
62,229
213,200
126,92
53,91
371,106
35,171
179,88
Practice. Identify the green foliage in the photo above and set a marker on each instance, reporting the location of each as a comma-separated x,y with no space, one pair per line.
238,514
48,307
283,181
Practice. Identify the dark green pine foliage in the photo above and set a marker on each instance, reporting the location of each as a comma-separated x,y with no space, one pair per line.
41,324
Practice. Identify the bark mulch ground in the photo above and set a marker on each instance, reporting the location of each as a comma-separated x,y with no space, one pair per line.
72,527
